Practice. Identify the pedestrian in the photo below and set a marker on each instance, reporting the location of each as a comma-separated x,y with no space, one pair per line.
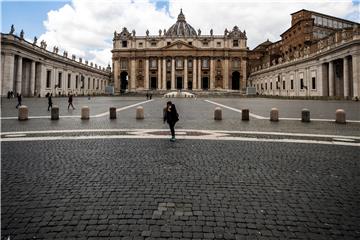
12,94
171,117
70,101
8,95
147,96
49,101
19,98
150,96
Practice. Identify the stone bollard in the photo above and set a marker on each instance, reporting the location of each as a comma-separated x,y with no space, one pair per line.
55,113
85,113
305,115
23,113
140,113
112,112
218,113
245,115
274,115
340,116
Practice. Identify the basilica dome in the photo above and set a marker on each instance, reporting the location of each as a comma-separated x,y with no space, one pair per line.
181,28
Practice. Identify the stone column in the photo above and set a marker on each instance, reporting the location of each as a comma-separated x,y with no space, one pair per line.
331,79
243,69
132,86
194,85
346,77
356,75
116,76
226,74
7,82
164,74
212,78
199,74
19,75
159,75
173,74
185,74
32,79
146,87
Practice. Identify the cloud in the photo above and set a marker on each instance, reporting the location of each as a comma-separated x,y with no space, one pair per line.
85,28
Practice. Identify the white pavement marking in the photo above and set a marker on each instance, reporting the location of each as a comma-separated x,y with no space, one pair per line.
235,109
181,137
78,116
15,135
211,135
288,119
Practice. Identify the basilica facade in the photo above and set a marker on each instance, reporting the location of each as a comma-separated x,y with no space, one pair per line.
179,58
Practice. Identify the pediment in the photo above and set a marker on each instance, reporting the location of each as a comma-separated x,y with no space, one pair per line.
179,45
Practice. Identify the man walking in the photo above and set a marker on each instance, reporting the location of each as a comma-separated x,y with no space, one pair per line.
70,101
49,101
171,117
19,98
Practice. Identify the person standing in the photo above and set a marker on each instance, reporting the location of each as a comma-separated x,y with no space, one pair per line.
49,101
171,117
19,98
70,101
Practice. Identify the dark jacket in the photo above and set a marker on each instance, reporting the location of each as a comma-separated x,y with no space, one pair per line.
170,114
49,100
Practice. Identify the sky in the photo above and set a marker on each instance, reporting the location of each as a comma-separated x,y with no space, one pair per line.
86,27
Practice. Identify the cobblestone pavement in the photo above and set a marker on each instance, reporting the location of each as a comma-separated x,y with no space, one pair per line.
194,114
191,189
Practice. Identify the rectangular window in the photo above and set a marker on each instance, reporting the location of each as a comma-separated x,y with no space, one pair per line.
69,80
97,84
190,63
88,83
292,84
93,83
76,81
284,84
123,64
48,79
205,63
235,43
179,63
218,44
265,86
153,63
124,44
270,85
59,79
140,44
301,83
313,82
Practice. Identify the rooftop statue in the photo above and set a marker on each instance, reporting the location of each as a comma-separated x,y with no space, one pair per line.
12,29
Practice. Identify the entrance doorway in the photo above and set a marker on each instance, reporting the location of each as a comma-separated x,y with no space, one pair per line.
235,81
179,83
123,81
190,85
168,85
205,83
153,82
